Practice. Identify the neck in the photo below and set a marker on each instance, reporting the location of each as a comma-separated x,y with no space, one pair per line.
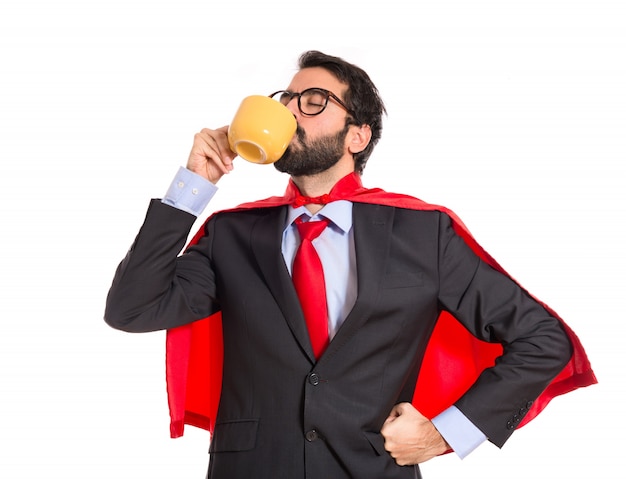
321,183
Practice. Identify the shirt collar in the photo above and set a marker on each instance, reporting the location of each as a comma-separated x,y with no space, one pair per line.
339,212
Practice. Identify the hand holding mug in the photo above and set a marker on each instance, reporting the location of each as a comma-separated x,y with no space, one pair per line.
211,156
260,132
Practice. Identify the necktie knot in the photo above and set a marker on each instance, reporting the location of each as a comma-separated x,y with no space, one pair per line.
309,230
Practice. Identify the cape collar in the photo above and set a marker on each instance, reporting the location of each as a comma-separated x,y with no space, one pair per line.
347,187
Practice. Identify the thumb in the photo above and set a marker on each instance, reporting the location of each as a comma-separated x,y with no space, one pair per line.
395,412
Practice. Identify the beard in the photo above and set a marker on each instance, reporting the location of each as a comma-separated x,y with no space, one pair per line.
312,157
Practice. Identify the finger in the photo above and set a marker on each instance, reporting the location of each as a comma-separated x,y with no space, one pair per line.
209,152
393,414
223,144
404,407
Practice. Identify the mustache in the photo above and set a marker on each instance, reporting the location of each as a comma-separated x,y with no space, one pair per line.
300,133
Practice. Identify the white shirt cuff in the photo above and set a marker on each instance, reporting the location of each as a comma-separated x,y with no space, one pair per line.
458,431
189,192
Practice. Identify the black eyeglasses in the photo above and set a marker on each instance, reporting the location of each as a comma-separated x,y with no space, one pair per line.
311,101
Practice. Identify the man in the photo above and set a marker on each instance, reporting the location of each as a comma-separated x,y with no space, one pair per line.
291,406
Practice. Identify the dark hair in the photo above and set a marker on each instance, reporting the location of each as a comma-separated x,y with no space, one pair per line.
362,97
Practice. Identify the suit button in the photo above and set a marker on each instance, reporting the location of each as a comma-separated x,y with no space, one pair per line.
311,435
510,425
314,379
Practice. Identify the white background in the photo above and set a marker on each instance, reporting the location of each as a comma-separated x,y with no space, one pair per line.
510,112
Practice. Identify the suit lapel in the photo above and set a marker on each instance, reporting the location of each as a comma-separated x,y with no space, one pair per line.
266,239
372,233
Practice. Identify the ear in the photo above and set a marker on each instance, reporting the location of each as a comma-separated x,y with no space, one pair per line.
358,138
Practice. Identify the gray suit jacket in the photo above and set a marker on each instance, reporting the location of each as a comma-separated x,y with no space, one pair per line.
284,415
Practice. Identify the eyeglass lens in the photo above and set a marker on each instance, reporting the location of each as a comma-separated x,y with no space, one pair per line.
310,102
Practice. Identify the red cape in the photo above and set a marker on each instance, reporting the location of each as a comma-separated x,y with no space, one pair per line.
454,358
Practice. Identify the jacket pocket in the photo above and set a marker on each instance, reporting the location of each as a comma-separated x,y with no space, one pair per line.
377,442
232,436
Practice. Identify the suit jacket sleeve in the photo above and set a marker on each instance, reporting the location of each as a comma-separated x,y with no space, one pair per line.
154,288
496,309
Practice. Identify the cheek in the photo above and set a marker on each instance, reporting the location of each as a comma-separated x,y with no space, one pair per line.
316,127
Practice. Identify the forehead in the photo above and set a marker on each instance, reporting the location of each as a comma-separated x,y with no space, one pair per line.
316,77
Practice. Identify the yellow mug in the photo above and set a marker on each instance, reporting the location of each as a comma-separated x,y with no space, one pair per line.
261,129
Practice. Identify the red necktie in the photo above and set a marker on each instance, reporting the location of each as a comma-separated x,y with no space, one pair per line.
308,278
